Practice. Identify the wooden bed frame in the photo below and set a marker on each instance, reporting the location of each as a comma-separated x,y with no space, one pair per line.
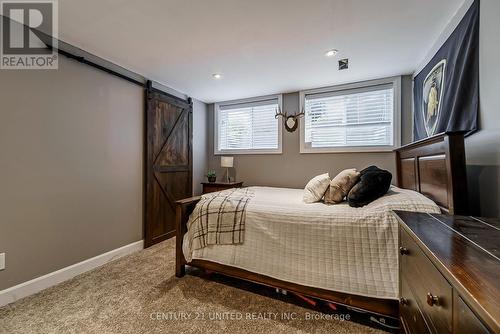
434,166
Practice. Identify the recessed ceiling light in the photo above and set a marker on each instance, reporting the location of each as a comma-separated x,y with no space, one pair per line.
216,76
331,53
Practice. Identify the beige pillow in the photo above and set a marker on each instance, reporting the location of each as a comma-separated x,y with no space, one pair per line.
316,188
340,185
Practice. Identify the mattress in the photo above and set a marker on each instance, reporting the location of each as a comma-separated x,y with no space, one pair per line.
334,247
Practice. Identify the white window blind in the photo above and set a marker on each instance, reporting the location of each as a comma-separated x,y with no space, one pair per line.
248,127
361,117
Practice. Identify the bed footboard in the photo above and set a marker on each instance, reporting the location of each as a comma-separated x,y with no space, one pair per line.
183,209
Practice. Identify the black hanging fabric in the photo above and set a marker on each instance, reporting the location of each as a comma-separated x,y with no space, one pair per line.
446,91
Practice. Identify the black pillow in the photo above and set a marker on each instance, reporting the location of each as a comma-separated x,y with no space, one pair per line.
373,183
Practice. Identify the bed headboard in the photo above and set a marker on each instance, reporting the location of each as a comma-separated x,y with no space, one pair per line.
435,167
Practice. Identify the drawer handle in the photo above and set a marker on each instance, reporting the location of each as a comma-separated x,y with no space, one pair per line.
432,300
403,301
404,251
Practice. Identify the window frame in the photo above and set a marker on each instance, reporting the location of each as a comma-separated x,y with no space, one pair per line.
278,150
396,84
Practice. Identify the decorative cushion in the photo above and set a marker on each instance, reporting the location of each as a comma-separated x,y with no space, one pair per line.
316,188
373,183
340,185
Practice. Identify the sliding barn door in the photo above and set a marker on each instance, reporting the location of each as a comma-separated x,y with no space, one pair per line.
169,162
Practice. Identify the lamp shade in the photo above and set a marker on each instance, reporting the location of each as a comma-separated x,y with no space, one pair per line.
226,162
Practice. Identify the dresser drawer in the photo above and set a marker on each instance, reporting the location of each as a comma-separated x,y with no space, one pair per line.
211,189
411,318
432,291
464,320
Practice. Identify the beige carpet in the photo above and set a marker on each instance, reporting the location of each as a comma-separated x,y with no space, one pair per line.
140,294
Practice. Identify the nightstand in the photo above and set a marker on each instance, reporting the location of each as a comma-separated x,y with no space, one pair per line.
209,187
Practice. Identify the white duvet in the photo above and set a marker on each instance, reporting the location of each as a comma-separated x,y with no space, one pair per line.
333,247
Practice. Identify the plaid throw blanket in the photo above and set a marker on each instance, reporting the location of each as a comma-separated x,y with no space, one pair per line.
219,218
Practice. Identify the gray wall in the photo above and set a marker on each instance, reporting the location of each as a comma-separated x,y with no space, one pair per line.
71,166
293,169
200,145
406,109
483,147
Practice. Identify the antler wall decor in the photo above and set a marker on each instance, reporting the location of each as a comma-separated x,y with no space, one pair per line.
291,121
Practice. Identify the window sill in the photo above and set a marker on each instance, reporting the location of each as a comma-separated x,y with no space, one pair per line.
377,149
247,152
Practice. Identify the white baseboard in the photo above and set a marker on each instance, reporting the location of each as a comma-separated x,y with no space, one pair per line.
33,286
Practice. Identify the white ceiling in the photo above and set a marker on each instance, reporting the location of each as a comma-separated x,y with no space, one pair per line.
259,46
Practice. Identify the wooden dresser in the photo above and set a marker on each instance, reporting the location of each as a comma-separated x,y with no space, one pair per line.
449,273
209,187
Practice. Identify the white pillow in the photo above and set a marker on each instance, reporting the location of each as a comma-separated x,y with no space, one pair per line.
316,188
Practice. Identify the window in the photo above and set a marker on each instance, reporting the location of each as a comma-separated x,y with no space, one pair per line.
352,118
248,126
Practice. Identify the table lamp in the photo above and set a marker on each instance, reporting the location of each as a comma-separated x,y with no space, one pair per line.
226,162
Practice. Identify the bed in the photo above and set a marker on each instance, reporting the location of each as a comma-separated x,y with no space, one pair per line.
335,252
